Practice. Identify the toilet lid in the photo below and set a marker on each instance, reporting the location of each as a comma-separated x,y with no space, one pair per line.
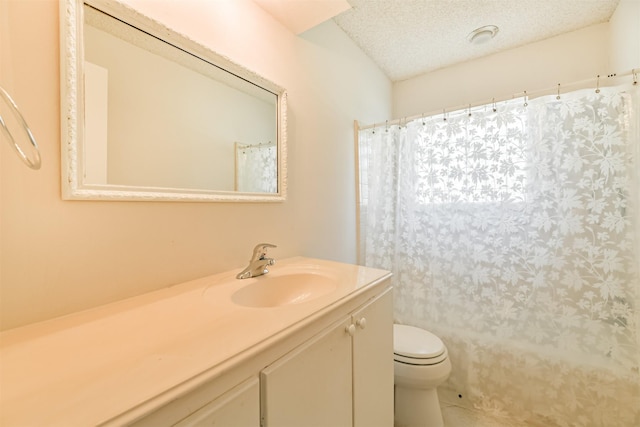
416,343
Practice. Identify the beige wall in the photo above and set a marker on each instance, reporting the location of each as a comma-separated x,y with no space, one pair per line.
62,256
625,36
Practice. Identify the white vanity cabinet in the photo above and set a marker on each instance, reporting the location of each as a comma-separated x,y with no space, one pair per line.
341,377
194,354
311,386
372,356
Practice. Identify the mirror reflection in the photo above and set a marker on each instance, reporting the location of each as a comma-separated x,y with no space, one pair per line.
160,118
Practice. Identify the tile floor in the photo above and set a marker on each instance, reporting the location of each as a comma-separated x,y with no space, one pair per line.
457,412
456,416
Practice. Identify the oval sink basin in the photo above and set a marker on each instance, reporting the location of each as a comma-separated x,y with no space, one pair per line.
273,291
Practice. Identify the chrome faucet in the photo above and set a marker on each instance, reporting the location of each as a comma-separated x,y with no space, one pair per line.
258,263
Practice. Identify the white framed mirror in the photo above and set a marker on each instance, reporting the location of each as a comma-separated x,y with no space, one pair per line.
149,114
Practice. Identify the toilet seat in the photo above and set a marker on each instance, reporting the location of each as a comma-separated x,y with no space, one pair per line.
415,346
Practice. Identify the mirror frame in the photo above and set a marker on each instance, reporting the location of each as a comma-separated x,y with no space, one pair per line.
72,110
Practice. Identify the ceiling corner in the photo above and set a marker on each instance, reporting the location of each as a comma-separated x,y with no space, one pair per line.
300,15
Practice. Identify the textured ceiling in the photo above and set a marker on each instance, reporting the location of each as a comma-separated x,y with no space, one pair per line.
410,37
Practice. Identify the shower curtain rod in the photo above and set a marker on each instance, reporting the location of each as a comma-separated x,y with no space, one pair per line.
258,145
527,95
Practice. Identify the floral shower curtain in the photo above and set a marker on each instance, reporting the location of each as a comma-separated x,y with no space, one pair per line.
512,232
256,168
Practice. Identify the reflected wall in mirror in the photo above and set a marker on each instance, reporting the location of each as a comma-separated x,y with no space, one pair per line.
152,115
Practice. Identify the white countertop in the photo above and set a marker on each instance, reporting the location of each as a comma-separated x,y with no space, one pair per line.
89,367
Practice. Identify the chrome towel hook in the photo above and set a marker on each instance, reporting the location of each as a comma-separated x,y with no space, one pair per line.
24,142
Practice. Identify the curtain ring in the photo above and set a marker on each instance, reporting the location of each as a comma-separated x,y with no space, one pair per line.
422,117
525,98
558,95
598,84
494,105
635,76
444,115
386,126
469,110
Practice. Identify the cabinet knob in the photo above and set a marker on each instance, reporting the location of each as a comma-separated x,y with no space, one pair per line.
362,323
351,329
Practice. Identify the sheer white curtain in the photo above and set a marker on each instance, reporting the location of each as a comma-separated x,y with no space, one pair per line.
256,168
514,236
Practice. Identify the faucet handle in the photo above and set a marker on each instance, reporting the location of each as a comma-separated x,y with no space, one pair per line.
261,250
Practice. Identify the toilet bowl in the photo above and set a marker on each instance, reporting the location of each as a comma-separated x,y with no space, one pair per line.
421,363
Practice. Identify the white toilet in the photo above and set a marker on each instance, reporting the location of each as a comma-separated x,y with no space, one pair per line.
421,363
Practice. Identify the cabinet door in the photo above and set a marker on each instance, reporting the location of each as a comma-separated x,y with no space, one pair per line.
373,363
239,407
311,386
